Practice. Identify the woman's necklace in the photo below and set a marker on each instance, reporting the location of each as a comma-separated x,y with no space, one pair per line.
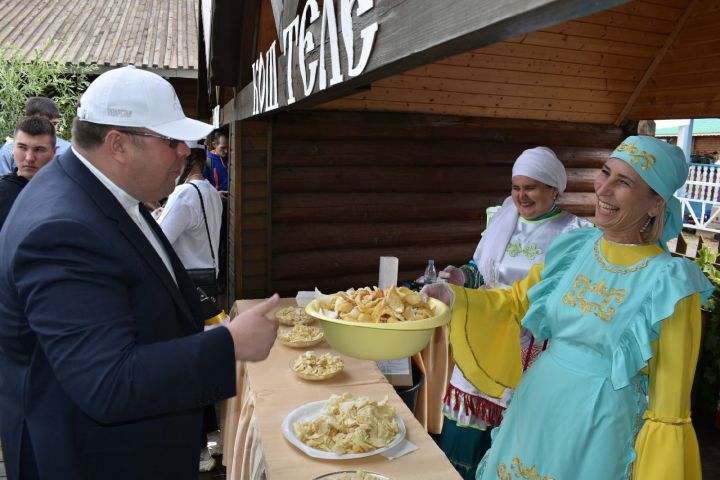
613,269
645,244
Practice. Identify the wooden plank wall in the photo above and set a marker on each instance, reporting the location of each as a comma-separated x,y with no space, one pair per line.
348,187
186,89
248,210
709,144
686,83
583,70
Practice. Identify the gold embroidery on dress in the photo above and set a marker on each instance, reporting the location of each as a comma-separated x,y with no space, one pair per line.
621,270
645,159
518,471
577,296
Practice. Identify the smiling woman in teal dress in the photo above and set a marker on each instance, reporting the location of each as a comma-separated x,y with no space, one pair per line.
610,398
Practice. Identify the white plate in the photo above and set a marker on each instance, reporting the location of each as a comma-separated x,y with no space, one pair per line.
336,475
312,410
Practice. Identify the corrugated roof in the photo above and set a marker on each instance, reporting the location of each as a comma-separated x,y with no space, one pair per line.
158,35
701,126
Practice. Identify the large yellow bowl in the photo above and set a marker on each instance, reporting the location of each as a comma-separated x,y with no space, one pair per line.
380,341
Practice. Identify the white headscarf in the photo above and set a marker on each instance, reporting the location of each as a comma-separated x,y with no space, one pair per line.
539,163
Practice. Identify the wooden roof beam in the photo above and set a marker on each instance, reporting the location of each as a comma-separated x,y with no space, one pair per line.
655,63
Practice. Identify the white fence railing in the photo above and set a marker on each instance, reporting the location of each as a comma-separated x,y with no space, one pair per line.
700,198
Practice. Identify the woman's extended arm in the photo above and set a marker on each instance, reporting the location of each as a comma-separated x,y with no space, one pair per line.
666,446
485,332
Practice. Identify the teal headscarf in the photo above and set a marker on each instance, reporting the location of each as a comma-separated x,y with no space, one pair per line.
664,168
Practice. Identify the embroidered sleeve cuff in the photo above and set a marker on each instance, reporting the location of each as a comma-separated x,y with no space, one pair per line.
652,417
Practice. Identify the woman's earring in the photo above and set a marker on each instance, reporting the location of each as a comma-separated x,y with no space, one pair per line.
647,224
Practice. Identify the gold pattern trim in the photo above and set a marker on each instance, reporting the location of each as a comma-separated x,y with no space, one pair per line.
612,269
577,297
651,416
517,470
645,159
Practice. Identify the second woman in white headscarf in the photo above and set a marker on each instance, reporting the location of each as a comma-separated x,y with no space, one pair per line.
516,238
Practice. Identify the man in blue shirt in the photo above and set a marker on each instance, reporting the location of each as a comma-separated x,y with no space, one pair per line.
217,169
44,107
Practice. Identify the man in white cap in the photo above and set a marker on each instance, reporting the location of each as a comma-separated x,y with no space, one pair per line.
101,357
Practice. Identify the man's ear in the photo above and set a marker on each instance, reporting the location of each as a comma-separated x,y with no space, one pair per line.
116,144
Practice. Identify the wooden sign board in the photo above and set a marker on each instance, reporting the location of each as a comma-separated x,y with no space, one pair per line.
332,47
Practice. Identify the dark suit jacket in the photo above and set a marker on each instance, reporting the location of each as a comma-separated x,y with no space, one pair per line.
103,371
10,187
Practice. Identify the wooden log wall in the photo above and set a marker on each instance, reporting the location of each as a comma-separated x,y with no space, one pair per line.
248,210
348,187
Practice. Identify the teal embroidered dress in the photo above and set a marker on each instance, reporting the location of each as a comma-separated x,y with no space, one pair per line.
578,410
464,407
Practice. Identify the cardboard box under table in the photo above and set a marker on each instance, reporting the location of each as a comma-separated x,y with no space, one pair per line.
269,390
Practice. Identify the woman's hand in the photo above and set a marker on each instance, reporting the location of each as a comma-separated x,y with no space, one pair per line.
440,291
453,275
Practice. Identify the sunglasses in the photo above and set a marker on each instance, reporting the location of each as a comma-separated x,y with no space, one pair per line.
172,143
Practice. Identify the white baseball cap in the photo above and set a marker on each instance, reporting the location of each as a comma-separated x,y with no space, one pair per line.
131,97
194,144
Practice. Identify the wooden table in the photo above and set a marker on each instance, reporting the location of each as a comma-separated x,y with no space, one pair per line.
267,391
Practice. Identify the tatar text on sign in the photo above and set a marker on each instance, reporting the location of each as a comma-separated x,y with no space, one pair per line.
299,44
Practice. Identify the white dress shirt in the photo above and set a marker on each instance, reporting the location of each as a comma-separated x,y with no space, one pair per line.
132,207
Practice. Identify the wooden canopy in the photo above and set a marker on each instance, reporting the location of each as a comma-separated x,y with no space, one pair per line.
403,158
645,59
642,60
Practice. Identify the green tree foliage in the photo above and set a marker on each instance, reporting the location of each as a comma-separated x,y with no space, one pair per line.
22,78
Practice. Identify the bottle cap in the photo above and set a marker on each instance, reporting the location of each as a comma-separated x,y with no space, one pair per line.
431,262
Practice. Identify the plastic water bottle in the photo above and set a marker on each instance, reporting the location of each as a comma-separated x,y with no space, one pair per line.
430,273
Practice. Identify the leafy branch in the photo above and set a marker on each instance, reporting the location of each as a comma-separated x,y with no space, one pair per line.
709,387
22,78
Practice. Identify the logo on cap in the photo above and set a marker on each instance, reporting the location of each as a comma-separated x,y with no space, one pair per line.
119,112
645,159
